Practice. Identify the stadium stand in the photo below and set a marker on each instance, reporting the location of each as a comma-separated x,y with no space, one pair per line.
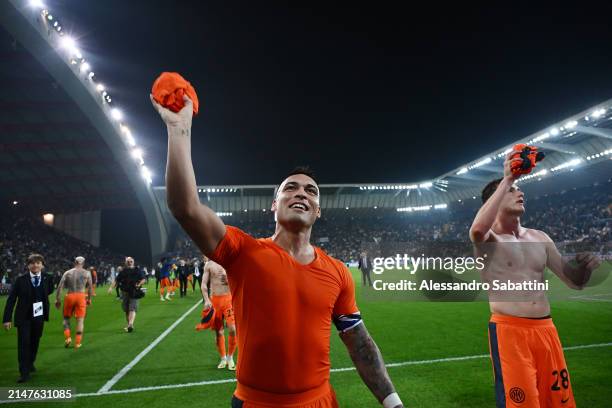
23,236
569,217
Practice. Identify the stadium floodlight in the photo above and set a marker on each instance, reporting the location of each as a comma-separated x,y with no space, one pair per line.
411,209
440,206
116,114
146,174
426,185
224,214
91,75
37,4
538,174
539,138
69,44
571,163
346,208
84,67
100,87
49,17
571,124
137,153
598,113
15,202
480,163
375,207
462,171
554,131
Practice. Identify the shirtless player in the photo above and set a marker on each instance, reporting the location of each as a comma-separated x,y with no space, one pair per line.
528,362
76,281
221,302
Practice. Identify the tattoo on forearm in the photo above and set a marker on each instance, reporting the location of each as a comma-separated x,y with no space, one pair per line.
368,361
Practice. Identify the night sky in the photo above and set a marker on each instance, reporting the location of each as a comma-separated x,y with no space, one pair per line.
361,94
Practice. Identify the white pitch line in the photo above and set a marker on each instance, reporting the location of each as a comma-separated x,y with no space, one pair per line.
109,384
333,370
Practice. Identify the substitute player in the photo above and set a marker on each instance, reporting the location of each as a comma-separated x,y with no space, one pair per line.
528,362
76,281
285,291
215,277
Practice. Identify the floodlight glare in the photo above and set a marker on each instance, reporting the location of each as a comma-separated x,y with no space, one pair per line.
37,4
100,87
116,114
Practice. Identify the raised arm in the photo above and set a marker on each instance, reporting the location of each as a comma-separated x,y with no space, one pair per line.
370,365
481,227
200,222
574,277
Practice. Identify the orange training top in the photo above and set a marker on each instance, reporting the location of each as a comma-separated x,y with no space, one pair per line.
283,312
168,90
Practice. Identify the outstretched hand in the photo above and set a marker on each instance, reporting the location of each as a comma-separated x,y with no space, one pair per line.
508,165
587,262
181,118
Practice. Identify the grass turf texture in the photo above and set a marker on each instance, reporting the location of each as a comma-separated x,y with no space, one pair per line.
404,331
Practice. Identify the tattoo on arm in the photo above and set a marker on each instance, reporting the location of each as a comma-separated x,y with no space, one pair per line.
368,361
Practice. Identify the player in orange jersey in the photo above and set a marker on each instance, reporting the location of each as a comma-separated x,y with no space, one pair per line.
76,280
285,291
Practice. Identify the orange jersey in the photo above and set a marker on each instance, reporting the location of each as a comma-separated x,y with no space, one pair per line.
528,363
283,312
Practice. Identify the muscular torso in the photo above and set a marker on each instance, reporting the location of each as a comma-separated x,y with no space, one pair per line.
75,280
517,259
217,278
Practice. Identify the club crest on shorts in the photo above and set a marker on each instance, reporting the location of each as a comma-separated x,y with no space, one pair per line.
517,395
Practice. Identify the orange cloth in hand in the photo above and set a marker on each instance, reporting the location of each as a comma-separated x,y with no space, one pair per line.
168,90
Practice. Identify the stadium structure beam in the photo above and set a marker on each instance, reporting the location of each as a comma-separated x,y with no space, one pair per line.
557,147
599,132
25,25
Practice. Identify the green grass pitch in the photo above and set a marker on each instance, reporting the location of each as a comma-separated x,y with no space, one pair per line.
405,332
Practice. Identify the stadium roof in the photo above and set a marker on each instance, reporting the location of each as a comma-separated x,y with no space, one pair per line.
582,142
64,145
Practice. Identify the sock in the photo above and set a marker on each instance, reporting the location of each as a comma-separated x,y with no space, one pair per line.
79,336
231,343
66,334
221,345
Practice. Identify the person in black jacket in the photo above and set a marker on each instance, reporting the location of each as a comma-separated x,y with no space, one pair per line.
31,293
182,273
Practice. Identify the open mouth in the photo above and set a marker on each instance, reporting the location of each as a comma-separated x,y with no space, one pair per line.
299,206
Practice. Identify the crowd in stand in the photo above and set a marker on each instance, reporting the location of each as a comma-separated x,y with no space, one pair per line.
23,236
569,218
575,219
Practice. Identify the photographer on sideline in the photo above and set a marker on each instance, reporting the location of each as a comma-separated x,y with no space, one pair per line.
129,281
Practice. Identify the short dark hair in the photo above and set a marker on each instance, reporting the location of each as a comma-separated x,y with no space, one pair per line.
489,189
33,258
305,170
